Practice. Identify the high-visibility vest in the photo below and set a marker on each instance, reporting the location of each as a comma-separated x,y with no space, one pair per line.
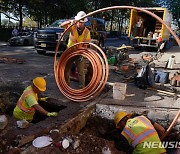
74,37
138,130
21,102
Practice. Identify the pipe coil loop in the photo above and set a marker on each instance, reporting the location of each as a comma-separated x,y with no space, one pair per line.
100,68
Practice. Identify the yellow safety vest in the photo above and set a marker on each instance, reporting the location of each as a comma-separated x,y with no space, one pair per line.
22,103
139,130
74,37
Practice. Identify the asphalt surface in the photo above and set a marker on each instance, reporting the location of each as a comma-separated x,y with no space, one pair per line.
42,65
34,65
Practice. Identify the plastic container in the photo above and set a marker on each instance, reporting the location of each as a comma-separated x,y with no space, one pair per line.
171,62
62,144
112,60
119,91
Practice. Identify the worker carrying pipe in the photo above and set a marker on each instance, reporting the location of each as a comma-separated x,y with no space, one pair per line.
137,130
28,102
78,33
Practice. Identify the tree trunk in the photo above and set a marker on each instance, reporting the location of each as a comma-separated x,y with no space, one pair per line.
121,27
0,19
45,18
119,24
0,15
111,21
20,15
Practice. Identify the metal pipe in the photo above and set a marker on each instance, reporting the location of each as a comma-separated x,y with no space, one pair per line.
90,14
62,85
100,68
171,126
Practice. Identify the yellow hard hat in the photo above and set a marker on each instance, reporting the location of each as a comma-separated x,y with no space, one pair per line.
118,117
40,83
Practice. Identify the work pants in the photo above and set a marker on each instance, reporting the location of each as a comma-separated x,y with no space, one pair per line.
79,61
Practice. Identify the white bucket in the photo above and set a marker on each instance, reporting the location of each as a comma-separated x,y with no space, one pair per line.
119,91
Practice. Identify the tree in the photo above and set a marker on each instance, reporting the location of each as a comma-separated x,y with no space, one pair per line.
14,7
7,23
28,22
174,8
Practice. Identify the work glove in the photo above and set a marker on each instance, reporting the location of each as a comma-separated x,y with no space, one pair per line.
52,114
44,99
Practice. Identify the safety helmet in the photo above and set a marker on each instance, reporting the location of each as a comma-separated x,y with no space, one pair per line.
40,83
118,117
79,15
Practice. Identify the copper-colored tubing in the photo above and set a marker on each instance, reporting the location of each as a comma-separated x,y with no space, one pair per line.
171,126
105,9
99,64
82,94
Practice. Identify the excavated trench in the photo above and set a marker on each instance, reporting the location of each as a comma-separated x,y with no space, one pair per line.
87,130
49,106
95,139
9,136
9,96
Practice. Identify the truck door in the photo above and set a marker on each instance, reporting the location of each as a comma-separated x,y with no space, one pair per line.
133,21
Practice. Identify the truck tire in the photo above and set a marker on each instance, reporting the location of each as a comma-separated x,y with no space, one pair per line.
41,52
26,42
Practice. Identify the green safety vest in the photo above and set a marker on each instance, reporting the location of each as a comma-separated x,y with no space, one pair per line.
139,130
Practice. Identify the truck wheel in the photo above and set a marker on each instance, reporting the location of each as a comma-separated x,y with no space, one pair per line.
25,42
41,52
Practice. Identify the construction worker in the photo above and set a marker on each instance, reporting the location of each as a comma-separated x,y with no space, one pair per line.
78,33
28,102
137,131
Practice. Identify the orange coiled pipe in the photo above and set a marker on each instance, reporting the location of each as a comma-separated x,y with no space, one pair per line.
100,68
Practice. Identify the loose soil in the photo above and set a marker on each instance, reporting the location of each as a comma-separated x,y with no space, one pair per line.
89,138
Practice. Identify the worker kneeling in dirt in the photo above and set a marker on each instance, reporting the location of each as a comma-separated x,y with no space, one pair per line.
138,131
28,102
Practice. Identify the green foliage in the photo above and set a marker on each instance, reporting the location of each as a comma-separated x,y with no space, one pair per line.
47,11
14,7
173,6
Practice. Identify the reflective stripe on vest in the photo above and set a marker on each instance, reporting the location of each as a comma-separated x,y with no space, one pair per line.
130,134
145,121
144,134
74,35
21,101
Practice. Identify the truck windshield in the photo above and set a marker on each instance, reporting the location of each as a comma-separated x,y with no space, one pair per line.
57,23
